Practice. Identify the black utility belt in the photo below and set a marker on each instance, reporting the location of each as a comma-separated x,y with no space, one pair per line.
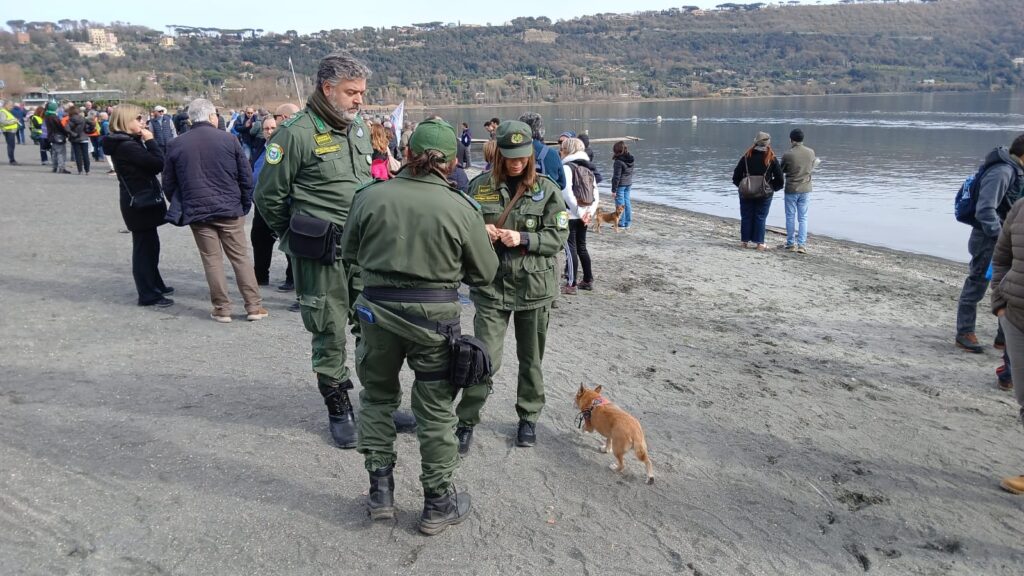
469,362
314,239
412,295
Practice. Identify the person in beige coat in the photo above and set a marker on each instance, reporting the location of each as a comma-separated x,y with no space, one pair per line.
797,163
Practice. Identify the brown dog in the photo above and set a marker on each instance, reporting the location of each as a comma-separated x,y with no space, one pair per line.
608,218
622,432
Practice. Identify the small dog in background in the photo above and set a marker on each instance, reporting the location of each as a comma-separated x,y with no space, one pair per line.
608,218
622,432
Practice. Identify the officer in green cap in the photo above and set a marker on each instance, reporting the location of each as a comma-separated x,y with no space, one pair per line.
315,162
528,223
415,238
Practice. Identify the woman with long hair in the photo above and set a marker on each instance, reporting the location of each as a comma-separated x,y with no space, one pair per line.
138,161
763,174
379,160
527,221
622,181
79,139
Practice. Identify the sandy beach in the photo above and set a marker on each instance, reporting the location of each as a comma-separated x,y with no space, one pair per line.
806,414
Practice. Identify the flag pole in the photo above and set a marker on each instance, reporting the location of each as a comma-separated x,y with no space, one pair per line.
295,81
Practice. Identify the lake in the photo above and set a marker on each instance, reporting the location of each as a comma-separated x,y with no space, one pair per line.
891,164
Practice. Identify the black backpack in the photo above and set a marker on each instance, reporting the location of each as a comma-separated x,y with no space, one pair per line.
583,183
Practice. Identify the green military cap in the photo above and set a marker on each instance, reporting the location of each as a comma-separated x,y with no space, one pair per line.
434,134
515,139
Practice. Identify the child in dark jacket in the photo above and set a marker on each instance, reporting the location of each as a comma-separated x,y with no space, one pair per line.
622,181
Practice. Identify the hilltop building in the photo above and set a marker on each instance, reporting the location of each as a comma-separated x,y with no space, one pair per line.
100,42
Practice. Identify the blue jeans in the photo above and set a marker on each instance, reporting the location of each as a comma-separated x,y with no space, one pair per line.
980,248
753,215
622,199
796,212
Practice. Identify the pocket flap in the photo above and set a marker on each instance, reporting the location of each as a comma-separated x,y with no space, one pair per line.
311,301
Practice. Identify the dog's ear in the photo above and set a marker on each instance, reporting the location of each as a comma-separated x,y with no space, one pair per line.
582,388
599,388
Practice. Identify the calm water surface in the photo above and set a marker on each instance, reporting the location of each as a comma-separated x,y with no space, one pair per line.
890,164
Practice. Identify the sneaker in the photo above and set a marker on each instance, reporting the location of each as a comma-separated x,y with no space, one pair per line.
1000,341
589,286
110,172
762,247
569,290
526,436
1013,484
161,303
790,247
801,250
221,319
286,287
969,342
167,291
257,315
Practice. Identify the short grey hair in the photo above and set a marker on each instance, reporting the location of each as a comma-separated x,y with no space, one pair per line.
200,110
339,66
572,146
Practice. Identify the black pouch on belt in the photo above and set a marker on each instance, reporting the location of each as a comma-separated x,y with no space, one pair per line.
313,239
470,362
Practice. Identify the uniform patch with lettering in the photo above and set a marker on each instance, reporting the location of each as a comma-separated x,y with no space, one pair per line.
562,220
488,198
274,153
531,223
321,150
322,139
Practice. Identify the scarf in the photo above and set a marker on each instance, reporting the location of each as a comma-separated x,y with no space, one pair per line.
320,106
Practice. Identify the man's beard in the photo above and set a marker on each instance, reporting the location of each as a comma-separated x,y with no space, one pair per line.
349,116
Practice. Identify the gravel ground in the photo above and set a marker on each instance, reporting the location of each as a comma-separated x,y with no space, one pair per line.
806,414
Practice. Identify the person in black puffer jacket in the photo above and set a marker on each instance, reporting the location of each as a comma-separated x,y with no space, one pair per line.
79,139
138,160
622,181
758,160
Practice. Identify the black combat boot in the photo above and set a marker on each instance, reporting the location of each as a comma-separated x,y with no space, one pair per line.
382,493
526,436
465,437
342,420
440,512
405,422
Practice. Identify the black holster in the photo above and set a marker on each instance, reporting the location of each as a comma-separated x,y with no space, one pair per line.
314,239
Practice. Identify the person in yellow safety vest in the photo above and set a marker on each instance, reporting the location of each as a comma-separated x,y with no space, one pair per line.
9,124
35,131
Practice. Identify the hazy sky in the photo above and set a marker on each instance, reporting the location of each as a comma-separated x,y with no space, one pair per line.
278,17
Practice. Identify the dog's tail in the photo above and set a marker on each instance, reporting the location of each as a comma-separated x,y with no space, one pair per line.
640,448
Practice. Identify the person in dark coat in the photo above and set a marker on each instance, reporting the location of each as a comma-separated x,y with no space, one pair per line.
758,160
79,139
208,181
138,160
622,181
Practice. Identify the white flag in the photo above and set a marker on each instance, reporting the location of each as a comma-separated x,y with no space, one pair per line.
397,119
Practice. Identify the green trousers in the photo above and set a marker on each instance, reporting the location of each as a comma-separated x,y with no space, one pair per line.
531,328
323,294
386,343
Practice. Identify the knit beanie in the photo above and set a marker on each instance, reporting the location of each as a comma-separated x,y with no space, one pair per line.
51,108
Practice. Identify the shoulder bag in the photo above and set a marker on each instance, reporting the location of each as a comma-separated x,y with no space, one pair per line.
754,187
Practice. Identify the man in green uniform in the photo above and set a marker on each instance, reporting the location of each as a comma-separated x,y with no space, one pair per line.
414,238
315,162
527,219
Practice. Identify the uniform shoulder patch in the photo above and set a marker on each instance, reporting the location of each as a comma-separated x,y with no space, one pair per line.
274,153
562,220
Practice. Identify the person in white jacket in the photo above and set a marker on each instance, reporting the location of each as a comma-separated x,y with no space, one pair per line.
573,151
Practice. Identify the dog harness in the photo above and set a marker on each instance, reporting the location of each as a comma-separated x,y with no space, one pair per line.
584,415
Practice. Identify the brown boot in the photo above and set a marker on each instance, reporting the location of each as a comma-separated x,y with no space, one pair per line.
1013,484
969,342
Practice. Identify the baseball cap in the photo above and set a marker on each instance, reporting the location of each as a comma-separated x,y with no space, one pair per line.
434,134
515,139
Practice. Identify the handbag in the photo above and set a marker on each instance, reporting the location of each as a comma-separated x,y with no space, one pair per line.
754,187
141,198
313,239
393,164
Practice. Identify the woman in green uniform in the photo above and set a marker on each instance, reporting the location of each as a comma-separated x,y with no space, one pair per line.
527,220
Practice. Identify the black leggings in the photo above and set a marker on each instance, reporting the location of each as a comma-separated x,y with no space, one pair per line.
578,250
81,153
263,238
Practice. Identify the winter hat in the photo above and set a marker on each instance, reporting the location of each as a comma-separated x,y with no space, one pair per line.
51,108
763,139
434,135
535,122
567,134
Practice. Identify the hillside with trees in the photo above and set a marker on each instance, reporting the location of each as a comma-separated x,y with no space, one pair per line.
735,49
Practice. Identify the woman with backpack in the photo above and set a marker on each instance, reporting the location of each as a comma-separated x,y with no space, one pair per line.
622,181
79,139
57,137
757,176
580,195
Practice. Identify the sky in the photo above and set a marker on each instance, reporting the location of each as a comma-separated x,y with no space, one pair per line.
275,15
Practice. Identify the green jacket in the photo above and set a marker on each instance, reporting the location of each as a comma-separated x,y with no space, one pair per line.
313,169
797,164
526,278
417,232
